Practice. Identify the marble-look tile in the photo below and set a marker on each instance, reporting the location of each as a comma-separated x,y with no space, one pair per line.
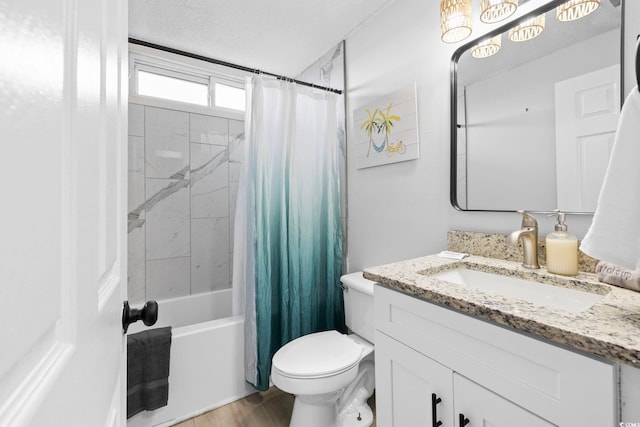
135,191
136,120
208,129
136,172
209,254
168,278
231,267
234,171
236,129
328,70
136,280
236,152
209,181
233,196
136,154
167,218
166,143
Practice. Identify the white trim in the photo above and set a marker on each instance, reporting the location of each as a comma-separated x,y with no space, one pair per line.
228,83
189,108
172,65
108,284
174,72
18,409
113,416
159,57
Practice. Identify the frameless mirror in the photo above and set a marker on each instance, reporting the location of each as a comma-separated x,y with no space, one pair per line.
532,125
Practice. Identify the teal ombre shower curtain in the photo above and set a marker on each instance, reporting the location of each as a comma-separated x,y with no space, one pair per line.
288,233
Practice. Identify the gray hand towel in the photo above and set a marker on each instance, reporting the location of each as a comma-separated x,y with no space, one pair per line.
618,276
148,370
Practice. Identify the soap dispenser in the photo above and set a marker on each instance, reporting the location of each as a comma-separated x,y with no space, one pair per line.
562,249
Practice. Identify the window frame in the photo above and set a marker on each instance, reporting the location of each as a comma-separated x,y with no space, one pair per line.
142,58
226,82
160,71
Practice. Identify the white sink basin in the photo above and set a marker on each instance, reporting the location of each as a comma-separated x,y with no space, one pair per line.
534,292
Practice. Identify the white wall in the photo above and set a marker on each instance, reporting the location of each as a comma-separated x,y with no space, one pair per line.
399,211
402,210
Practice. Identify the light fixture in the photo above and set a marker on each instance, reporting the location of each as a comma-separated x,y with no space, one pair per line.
576,9
455,20
488,47
527,30
496,10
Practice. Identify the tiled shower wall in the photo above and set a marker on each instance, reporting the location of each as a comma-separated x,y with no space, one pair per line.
183,179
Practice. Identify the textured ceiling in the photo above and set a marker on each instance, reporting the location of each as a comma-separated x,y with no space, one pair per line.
278,36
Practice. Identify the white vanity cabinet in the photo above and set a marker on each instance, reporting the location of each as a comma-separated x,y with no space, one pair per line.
411,389
479,372
477,406
414,390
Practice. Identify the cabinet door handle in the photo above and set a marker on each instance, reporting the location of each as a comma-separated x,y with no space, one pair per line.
463,420
434,411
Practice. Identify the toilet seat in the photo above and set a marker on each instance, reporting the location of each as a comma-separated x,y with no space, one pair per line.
317,355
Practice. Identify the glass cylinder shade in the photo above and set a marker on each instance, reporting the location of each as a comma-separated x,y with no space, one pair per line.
528,30
576,9
487,47
455,20
496,10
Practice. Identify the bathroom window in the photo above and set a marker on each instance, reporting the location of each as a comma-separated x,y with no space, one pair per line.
170,81
163,85
229,96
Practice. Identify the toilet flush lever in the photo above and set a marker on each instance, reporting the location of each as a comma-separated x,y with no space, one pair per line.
148,314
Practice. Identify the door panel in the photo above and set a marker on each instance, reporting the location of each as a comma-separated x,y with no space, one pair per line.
587,112
64,90
485,408
405,381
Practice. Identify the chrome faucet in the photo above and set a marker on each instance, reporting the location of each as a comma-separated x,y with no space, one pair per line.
528,233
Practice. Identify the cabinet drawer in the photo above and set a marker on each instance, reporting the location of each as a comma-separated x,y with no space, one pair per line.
539,376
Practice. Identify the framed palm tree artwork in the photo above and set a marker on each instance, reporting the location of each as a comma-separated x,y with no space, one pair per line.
386,130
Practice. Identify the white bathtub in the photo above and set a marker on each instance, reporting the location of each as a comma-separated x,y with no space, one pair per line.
207,357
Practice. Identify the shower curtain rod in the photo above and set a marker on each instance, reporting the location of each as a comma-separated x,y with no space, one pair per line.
228,64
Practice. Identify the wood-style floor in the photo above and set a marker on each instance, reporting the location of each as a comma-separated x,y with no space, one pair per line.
271,408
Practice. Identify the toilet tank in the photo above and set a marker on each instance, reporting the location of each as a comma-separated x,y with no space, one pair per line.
358,304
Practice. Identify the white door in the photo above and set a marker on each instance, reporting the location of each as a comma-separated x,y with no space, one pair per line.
63,93
587,111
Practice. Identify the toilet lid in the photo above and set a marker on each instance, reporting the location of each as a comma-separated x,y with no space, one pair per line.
317,355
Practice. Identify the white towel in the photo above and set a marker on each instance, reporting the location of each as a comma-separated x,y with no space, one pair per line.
614,235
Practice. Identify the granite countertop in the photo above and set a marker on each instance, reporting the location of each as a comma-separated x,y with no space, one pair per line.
610,328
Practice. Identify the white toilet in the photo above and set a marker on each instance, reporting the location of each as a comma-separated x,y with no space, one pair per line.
331,374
